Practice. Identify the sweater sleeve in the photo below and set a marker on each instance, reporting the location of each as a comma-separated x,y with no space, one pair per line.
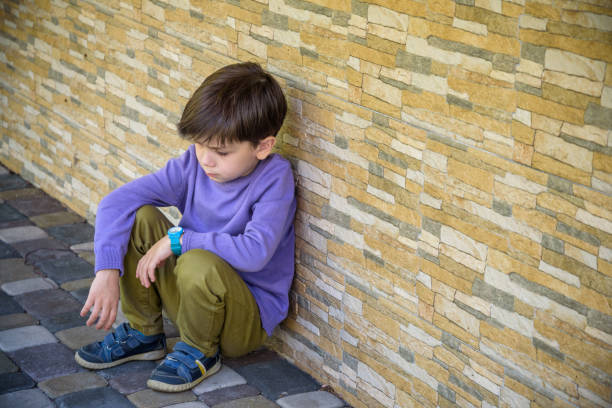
272,216
117,210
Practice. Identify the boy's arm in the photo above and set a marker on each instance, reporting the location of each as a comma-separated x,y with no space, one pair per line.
272,217
117,210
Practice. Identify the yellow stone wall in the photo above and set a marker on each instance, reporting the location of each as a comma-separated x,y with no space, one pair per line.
454,165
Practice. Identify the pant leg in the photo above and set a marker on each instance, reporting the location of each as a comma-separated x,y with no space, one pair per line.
211,305
143,306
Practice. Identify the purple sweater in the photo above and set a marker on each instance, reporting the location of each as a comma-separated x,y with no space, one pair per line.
248,222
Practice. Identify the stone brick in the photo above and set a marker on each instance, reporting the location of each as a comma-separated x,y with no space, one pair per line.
31,398
95,397
56,387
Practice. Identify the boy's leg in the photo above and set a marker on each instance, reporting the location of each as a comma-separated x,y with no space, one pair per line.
211,305
143,306
212,308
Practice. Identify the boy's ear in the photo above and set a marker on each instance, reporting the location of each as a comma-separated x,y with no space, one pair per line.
264,148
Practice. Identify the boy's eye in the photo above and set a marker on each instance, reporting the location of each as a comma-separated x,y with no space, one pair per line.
222,153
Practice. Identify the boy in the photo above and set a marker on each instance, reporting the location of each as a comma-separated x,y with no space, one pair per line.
222,276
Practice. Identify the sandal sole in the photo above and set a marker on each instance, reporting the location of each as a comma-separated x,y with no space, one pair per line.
150,355
164,387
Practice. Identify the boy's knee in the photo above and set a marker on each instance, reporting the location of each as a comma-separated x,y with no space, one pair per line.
197,267
146,212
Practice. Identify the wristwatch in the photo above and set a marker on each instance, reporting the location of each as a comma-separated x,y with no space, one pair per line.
174,234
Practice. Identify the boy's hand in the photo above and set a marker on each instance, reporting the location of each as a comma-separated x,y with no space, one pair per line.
155,256
102,299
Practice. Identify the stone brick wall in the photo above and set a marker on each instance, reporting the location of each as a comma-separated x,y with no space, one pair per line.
454,165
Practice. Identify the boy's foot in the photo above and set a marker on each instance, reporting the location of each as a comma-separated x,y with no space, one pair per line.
124,345
183,369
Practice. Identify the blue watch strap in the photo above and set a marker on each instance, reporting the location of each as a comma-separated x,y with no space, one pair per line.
174,234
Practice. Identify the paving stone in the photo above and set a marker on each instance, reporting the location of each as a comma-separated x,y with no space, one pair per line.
22,337
277,378
94,398
56,218
10,382
228,394
9,195
28,285
27,248
193,404
13,269
47,303
12,182
258,356
315,399
48,254
6,365
56,387
37,204
250,402
89,257
8,305
73,234
83,247
7,251
156,399
8,213
18,234
46,361
13,224
223,379
77,284
4,171
77,337
11,321
33,398
80,294
130,367
131,382
63,321
66,269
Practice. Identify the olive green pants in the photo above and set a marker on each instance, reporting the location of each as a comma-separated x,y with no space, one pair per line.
202,295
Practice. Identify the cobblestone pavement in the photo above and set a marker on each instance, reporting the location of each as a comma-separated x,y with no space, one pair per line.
45,271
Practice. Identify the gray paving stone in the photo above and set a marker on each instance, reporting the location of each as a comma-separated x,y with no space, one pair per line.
67,268
193,404
11,321
156,399
28,285
72,234
8,213
131,367
48,303
63,321
48,254
10,382
13,224
22,337
250,402
4,171
46,361
18,234
315,399
258,356
83,247
226,377
131,382
277,378
8,305
13,269
89,257
77,337
7,251
6,365
228,394
12,182
37,204
94,398
27,248
33,398
56,218
56,387
80,294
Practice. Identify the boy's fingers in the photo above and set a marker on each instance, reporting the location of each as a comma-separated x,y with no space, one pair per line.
86,307
93,316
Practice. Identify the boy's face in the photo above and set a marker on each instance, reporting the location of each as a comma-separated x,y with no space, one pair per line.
228,162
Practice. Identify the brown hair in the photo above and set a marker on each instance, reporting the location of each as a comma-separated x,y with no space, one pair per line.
239,102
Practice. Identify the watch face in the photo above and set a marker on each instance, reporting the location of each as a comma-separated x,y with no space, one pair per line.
174,230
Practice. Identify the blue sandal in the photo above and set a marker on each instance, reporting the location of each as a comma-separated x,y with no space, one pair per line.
183,369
